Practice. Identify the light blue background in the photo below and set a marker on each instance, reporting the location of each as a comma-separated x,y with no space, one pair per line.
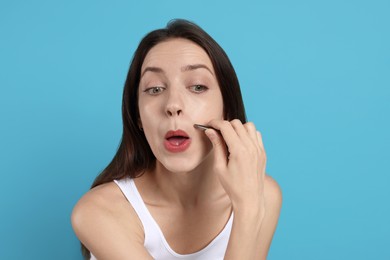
315,79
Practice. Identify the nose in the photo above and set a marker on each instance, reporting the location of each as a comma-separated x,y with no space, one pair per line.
173,111
174,105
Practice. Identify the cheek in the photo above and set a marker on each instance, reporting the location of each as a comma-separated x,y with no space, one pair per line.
149,119
205,110
201,114
147,113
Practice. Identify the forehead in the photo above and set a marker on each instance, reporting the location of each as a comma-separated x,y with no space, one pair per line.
177,51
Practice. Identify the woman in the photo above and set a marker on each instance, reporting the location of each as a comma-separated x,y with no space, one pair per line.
173,190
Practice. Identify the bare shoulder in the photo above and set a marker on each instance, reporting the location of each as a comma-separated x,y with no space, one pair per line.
101,207
101,200
273,203
106,223
98,198
272,192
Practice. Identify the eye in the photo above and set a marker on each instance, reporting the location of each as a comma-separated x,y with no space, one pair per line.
154,90
198,88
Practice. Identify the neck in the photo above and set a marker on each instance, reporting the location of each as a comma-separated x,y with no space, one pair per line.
187,189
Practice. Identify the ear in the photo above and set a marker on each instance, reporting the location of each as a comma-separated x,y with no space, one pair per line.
140,124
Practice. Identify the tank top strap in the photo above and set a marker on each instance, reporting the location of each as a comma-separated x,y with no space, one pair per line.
152,233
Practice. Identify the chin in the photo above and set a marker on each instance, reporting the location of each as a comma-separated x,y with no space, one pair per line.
180,165
184,164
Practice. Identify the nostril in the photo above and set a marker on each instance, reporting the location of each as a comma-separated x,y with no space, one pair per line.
171,112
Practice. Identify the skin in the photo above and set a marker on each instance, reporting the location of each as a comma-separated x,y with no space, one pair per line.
190,194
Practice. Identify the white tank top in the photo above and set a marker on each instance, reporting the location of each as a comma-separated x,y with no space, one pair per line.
155,242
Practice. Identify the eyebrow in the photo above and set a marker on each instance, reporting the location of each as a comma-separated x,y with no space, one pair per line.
152,69
196,66
183,69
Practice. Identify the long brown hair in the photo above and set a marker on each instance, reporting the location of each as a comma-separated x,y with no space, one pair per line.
134,155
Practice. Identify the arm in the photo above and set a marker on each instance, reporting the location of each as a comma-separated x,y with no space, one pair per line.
240,160
106,224
252,234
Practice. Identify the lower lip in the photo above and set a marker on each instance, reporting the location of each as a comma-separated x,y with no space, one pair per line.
177,148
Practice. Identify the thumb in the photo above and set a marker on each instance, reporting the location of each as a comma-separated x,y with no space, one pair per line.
220,149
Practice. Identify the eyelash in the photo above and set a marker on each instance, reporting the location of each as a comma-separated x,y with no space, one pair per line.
204,88
151,90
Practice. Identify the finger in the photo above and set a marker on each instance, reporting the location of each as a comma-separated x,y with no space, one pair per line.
242,132
252,132
227,131
238,127
262,152
260,140
251,129
220,149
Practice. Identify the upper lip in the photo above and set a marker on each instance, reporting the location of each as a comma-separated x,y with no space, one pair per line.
178,132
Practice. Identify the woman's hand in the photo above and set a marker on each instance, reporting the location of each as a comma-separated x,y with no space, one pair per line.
240,162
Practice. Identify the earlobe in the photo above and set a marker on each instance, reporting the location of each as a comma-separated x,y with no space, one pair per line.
140,125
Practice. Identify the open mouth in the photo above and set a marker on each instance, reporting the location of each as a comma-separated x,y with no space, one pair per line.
177,141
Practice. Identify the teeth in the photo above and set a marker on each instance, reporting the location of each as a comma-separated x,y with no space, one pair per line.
177,140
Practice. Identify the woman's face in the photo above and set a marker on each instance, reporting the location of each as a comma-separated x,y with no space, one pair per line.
178,88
